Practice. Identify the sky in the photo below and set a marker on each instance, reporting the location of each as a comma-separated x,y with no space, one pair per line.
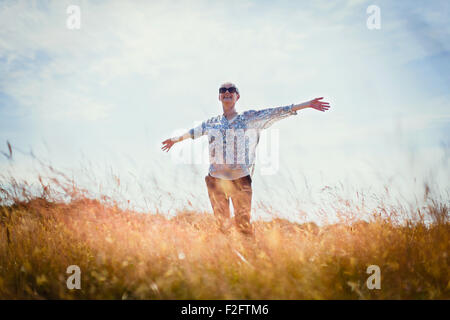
98,101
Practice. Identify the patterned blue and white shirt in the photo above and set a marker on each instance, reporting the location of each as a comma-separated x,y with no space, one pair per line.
232,143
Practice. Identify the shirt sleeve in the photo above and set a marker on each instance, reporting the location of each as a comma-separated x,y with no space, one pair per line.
262,119
198,131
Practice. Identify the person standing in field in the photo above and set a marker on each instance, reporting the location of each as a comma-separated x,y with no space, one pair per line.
233,138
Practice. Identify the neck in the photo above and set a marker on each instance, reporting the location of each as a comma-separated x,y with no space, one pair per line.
229,112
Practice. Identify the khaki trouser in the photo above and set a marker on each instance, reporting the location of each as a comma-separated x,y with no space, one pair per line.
240,191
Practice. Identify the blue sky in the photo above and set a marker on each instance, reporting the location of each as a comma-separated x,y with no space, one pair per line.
137,71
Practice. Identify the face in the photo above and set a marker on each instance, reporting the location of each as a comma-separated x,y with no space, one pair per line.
228,98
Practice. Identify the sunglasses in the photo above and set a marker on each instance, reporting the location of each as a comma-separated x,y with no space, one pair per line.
230,90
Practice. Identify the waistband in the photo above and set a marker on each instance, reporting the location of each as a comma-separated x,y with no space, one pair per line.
241,178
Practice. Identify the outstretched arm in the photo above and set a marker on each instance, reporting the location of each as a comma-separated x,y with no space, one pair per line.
193,133
168,143
264,118
315,104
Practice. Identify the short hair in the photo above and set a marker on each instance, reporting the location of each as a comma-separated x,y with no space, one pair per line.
237,89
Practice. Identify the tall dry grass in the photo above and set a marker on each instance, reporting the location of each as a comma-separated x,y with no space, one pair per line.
125,254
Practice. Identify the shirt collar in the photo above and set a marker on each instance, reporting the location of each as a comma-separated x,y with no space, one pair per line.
232,119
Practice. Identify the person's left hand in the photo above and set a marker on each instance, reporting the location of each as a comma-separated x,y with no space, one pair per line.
319,105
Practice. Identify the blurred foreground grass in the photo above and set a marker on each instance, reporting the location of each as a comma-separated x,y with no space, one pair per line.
129,255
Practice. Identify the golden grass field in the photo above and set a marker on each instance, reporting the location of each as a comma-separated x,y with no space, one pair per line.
129,255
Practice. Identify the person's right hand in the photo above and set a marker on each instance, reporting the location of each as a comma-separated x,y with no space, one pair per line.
167,144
